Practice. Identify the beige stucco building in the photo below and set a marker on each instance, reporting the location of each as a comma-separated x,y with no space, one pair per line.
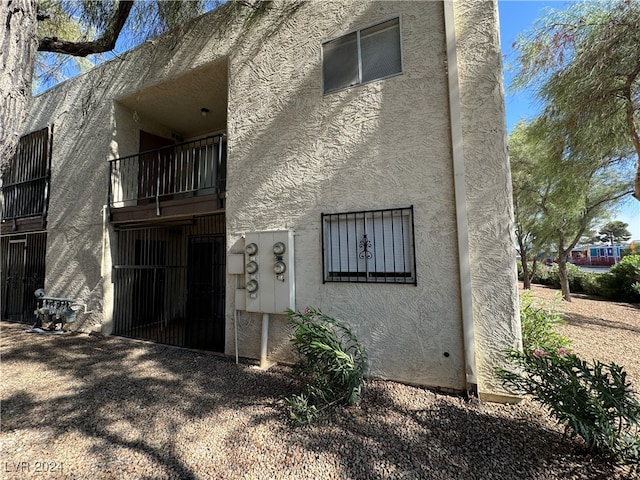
370,136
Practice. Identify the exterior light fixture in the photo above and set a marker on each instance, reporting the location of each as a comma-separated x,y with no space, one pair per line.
204,111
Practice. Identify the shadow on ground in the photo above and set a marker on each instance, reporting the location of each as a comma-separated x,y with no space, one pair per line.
100,384
579,320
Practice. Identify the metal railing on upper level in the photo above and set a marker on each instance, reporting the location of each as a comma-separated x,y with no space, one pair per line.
197,167
25,183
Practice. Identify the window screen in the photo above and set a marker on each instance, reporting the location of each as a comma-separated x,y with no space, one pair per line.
340,65
380,50
370,246
362,56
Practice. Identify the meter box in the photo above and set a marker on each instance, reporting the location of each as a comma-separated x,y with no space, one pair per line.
269,272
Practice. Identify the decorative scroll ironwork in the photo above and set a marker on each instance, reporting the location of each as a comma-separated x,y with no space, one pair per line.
365,246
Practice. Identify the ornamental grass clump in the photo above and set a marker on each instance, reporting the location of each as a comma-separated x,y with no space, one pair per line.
332,365
591,400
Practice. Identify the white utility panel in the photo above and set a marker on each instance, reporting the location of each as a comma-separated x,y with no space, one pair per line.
269,271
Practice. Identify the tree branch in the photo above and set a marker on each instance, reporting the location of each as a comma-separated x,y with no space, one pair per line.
633,132
103,44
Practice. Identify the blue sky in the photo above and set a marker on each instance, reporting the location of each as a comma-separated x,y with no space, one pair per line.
515,17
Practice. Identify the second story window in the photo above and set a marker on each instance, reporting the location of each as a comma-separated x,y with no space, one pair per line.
25,183
362,56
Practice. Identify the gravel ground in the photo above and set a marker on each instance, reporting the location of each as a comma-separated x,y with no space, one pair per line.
608,331
87,407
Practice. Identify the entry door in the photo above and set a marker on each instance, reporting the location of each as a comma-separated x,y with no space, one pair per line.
206,290
156,171
15,292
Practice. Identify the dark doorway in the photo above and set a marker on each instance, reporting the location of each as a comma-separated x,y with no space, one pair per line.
169,283
23,267
150,282
15,278
156,174
205,298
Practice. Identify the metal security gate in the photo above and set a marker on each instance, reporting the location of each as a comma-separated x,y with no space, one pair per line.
169,283
23,270
205,286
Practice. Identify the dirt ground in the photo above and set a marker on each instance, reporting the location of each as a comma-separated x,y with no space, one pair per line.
77,407
599,329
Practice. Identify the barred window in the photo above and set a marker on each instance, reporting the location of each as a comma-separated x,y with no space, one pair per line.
375,246
362,56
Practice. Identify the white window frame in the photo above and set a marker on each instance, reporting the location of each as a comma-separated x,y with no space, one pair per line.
357,32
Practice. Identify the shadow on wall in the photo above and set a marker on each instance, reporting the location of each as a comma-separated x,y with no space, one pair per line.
346,161
80,110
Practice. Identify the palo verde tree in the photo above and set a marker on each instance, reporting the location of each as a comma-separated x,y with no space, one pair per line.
569,214
77,28
584,63
530,187
559,194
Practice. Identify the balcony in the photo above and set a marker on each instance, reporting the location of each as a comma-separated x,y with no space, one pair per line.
26,184
172,181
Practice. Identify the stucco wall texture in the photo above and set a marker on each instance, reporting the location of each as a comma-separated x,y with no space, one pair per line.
294,153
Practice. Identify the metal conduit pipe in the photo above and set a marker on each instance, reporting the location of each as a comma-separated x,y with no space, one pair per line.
263,341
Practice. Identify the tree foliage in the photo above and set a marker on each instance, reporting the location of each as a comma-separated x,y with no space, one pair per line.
529,186
559,194
584,62
60,29
614,232
73,35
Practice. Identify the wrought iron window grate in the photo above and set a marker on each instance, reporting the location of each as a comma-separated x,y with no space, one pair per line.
374,246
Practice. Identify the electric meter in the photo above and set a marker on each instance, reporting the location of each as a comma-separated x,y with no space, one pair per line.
251,249
279,248
252,286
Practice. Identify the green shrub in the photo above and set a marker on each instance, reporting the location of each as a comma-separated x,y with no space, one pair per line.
622,283
332,364
545,275
574,274
549,276
519,269
592,401
539,265
538,323
591,283
623,280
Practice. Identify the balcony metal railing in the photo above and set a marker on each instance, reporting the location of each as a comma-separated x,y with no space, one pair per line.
25,183
182,170
25,199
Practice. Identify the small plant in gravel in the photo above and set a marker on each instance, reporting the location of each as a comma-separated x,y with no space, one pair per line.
591,400
332,365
